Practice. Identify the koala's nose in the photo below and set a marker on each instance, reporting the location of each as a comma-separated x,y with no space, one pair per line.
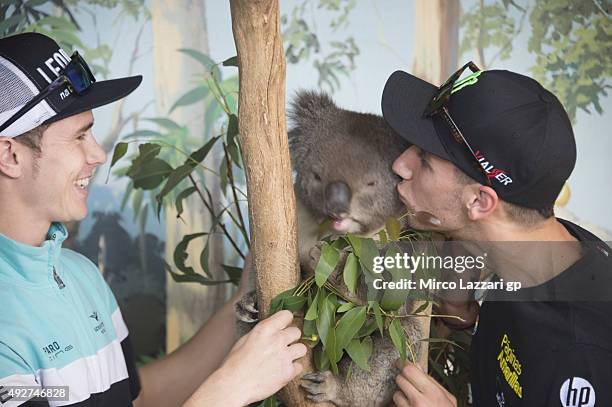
337,198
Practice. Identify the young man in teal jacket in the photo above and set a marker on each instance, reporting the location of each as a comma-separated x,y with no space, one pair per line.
59,322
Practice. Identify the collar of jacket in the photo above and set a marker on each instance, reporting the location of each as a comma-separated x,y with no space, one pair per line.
22,263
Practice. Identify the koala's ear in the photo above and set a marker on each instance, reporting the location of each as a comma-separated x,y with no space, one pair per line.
309,107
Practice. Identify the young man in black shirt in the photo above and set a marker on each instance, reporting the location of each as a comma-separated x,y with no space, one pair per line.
491,153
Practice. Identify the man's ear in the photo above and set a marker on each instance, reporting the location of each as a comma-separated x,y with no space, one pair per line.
482,202
11,158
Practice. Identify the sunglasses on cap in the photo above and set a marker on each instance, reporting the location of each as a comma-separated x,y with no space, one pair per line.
438,103
76,75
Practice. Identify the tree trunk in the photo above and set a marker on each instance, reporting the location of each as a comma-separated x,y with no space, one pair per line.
435,59
182,24
263,133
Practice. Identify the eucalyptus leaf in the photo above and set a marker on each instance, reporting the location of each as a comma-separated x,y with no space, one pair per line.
193,96
360,352
345,307
398,337
351,273
234,273
151,174
180,252
327,263
180,197
313,312
120,150
348,326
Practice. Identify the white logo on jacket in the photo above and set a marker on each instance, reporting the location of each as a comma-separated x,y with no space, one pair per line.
577,392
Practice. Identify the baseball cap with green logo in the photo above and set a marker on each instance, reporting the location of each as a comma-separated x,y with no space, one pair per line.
517,131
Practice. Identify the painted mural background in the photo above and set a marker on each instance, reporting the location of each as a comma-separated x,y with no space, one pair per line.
346,47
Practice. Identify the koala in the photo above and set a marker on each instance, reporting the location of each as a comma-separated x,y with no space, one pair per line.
342,163
342,166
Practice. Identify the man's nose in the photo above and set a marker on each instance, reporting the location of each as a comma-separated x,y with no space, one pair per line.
401,166
97,155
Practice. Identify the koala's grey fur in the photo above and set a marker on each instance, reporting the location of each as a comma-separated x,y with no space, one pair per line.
329,144
332,145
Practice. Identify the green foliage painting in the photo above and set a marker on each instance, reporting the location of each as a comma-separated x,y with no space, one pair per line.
570,40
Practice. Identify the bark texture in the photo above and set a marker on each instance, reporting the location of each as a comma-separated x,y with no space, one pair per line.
263,132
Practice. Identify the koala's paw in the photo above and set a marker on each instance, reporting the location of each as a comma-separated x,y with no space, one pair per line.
321,386
246,308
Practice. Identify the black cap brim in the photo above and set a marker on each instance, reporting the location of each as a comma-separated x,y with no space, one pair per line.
99,94
403,102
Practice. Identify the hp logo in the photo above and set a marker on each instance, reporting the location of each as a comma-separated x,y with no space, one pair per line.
577,392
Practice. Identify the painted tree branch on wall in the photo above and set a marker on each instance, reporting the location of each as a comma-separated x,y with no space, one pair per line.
263,132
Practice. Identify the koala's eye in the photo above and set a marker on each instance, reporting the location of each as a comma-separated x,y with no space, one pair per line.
316,176
371,183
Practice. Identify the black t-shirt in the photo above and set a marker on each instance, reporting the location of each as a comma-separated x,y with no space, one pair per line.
549,353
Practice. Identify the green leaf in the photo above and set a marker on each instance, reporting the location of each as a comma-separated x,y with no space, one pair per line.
367,329
351,273
312,312
348,326
377,315
365,249
331,350
360,352
204,259
421,307
393,299
326,320
179,199
277,302
382,236
183,171
11,21
393,228
327,263
233,61
192,278
191,97
321,360
294,303
180,252
345,307
151,174
146,152
200,154
269,402
398,336
120,150
310,332
234,273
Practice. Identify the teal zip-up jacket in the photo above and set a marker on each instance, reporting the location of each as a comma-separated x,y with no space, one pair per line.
60,326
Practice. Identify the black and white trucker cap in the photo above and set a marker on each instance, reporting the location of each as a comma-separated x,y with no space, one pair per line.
29,62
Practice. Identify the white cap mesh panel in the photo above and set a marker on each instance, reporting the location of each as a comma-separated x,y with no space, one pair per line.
16,89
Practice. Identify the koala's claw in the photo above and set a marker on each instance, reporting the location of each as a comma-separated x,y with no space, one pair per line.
246,308
320,386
